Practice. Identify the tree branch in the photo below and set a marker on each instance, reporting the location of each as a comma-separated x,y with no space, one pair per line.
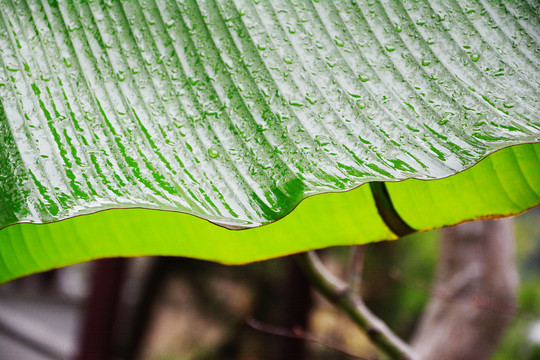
298,333
476,272
341,296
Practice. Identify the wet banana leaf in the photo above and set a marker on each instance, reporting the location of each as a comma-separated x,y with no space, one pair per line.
176,116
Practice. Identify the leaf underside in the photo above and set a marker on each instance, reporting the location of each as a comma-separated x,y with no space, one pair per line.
235,111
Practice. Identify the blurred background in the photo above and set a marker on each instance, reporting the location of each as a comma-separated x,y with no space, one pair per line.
176,308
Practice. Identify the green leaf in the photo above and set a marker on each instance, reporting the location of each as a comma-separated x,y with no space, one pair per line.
235,111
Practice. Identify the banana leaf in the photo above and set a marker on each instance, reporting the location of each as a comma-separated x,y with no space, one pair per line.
237,131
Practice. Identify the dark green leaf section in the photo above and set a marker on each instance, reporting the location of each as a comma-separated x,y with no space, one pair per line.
236,110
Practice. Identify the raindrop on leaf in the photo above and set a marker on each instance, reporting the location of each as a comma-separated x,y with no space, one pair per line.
475,57
361,104
508,104
363,78
213,153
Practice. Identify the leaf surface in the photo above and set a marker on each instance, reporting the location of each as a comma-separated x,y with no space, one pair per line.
235,111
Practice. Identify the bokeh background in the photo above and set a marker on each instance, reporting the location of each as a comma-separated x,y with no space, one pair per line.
176,308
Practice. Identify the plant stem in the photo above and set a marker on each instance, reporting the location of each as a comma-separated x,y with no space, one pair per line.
341,296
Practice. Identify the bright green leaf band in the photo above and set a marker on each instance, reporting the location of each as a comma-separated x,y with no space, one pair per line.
507,182
319,221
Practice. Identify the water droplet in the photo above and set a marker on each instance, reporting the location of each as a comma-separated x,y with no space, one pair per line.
475,57
363,77
293,103
508,104
389,48
193,81
361,104
120,109
287,60
425,62
120,76
213,153
310,100
398,28
67,62
482,120
292,30
261,47
338,42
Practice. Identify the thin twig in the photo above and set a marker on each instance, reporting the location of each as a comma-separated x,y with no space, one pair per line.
298,333
339,294
355,269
